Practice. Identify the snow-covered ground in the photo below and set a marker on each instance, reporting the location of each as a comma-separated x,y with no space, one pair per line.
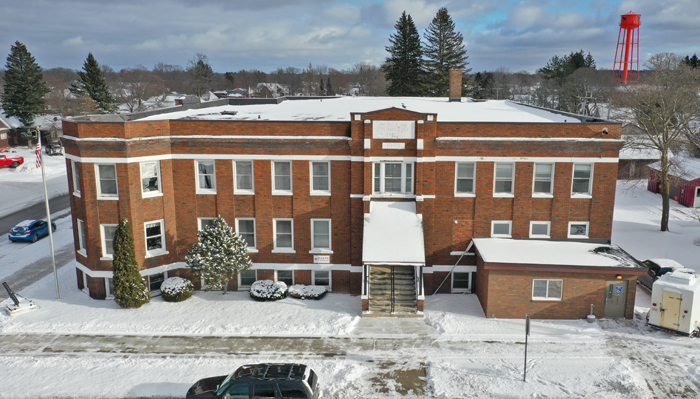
467,355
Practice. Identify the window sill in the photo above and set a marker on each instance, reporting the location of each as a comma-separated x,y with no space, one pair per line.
283,251
144,195
244,193
460,253
153,254
109,258
76,193
252,250
206,192
578,237
536,237
465,195
82,252
288,193
540,195
581,196
461,291
547,299
103,198
320,194
501,236
321,252
397,195
503,195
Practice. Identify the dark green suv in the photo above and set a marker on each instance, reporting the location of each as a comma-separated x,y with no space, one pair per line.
266,380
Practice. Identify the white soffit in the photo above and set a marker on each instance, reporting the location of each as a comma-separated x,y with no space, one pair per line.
393,235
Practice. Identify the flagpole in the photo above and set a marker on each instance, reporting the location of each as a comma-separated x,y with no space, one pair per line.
48,212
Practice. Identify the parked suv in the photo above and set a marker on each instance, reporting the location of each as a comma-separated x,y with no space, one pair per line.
656,269
266,380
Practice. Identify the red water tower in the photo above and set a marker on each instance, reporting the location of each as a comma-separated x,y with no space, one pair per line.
627,47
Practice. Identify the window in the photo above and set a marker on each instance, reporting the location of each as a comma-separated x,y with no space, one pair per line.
503,182
547,289
81,238
320,178
291,390
107,181
150,178
501,228
108,231
460,281
284,235
155,281
286,276
154,237
203,223
282,178
544,176
263,390
246,229
238,391
393,178
246,279
322,277
583,177
320,235
244,183
76,178
109,285
464,178
539,229
578,229
206,177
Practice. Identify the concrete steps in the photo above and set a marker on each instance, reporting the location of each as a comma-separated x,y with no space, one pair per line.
404,294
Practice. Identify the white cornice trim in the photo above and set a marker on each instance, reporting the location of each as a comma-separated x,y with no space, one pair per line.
527,159
208,137
572,139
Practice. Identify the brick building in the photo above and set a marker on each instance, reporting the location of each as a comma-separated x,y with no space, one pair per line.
378,197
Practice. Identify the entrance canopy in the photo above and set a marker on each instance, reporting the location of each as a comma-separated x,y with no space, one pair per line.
393,235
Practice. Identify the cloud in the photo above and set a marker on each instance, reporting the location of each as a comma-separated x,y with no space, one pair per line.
76,42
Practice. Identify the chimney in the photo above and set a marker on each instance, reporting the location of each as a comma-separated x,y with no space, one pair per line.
455,85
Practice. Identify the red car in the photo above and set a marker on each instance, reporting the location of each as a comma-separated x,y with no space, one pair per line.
7,159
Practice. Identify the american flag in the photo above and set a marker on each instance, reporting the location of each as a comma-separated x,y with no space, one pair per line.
38,154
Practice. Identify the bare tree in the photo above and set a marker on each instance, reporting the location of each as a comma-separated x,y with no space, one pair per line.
665,105
135,85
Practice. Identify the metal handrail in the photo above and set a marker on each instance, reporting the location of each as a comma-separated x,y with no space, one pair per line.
392,289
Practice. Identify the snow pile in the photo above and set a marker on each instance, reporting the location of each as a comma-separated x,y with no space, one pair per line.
307,291
268,290
176,289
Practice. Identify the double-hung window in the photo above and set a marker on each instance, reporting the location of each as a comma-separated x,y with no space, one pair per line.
320,235
206,177
246,229
81,238
501,228
547,290
503,181
107,233
320,178
247,278
286,276
76,178
107,181
150,179
322,277
284,235
578,230
244,183
281,178
543,179
582,180
464,178
393,178
155,241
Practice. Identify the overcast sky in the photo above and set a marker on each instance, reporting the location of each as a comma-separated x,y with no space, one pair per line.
267,34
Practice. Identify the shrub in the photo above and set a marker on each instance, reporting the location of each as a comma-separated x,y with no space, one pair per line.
176,289
307,291
268,290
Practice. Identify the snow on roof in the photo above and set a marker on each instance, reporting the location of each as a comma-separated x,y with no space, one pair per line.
686,168
639,153
339,109
682,279
393,235
554,253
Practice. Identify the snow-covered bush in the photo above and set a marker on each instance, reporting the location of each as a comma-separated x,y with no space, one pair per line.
307,291
268,290
176,289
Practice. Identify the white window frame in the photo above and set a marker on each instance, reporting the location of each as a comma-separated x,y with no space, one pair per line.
546,297
535,180
549,229
199,223
108,292
576,236
315,191
275,190
469,283
382,179
283,250
76,178
155,292
100,194
246,287
146,194
496,179
105,255
330,278
587,194
81,237
254,248
291,271
86,284
314,248
157,251
200,190
473,179
510,228
244,191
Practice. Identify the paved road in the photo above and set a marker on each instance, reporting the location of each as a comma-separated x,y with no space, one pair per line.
36,211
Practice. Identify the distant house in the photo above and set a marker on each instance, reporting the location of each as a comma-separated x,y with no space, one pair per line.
271,90
237,93
685,182
634,161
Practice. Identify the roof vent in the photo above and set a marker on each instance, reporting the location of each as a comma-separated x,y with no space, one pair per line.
229,112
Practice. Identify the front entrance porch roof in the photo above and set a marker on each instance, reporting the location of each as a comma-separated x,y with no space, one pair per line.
393,234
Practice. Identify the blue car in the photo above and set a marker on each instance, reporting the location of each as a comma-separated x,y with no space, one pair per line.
30,230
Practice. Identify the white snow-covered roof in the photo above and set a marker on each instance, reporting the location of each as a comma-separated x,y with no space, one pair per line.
393,235
681,279
639,153
686,168
339,109
670,263
553,253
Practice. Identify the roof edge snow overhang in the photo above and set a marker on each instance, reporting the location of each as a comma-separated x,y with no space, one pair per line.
393,235
566,268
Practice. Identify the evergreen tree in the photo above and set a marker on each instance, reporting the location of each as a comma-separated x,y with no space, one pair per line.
219,255
404,66
24,90
321,89
329,89
130,289
91,83
692,62
444,51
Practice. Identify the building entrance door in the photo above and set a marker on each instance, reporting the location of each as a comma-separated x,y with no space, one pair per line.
392,289
615,298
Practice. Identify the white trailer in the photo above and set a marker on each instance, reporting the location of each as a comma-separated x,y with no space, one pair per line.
675,302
